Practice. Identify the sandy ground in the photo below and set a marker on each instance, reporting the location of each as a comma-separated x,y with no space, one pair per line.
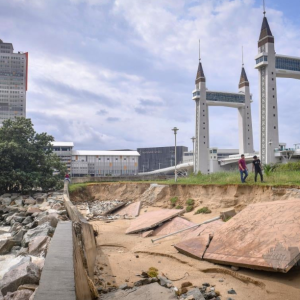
121,257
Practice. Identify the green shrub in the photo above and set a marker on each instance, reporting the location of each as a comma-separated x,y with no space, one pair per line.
203,210
174,201
152,272
190,202
268,168
189,208
179,207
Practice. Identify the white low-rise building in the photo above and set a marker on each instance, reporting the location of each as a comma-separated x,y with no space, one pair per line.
104,163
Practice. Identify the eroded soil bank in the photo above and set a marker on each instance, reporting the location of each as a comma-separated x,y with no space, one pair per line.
213,196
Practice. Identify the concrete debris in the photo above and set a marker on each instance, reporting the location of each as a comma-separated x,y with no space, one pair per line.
152,219
131,210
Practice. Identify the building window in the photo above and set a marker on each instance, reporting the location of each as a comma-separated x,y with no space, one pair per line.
274,127
107,159
274,107
274,115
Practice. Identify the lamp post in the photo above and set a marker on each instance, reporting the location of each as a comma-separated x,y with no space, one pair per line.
175,129
193,140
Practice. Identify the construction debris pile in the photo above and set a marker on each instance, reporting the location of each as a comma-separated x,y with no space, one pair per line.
26,227
109,210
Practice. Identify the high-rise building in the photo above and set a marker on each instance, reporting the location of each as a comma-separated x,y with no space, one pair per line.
13,82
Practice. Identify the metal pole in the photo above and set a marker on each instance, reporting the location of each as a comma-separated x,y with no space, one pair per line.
193,139
205,222
175,129
175,160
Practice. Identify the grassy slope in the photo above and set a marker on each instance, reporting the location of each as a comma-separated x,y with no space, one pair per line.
278,178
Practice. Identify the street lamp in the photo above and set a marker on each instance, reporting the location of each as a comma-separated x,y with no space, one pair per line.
175,129
193,139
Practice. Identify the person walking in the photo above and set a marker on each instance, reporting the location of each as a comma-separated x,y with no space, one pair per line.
67,177
243,169
256,165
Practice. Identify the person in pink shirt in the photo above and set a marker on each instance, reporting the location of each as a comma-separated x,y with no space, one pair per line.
243,168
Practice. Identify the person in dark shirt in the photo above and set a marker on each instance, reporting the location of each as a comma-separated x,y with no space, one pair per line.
256,165
243,168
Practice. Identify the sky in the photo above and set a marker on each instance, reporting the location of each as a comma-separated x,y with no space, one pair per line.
119,74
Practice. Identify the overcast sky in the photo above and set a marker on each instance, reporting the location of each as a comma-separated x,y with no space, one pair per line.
115,74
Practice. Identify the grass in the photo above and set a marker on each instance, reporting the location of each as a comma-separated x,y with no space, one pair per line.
203,210
174,201
190,202
152,272
189,208
284,175
179,207
276,178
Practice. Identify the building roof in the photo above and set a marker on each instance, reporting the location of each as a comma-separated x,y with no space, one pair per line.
265,29
105,153
200,77
62,144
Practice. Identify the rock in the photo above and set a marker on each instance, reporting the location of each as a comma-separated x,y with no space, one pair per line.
11,264
15,228
62,212
123,286
6,201
30,201
23,274
165,281
44,206
5,230
18,237
206,284
18,219
38,246
24,294
42,230
22,252
186,284
31,287
142,282
52,219
31,225
32,296
27,220
32,210
40,200
38,261
195,293
6,246
221,280
15,249
57,206
19,202
232,291
210,295
190,297
234,268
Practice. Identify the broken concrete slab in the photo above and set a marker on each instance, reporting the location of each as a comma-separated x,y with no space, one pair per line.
113,209
147,233
263,236
132,210
194,243
152,219
173,226
226,215
152,291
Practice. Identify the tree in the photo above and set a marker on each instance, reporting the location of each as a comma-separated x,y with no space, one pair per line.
27,161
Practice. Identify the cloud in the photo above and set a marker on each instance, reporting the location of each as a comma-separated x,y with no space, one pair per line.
102,112
112,119
121,73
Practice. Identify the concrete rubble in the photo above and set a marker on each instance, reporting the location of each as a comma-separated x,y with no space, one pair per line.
159,287
27,224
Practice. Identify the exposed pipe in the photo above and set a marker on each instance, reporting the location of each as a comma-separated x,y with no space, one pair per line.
194,226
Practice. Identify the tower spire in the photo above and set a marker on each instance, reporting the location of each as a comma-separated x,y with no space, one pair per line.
200,77
243,56
199,51
264,5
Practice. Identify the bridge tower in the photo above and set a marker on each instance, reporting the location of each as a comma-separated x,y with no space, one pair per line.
266,65
202,139
244,117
